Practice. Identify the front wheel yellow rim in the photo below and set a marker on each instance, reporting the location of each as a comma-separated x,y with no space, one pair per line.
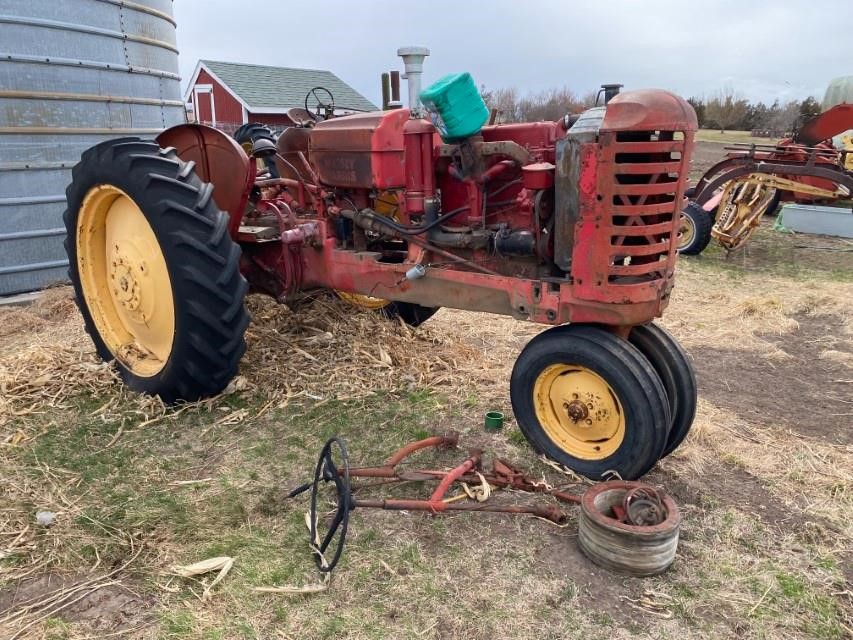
125,281
579,411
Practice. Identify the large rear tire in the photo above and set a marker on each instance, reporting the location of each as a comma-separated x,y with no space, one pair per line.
591,401
246,135
155,273
676,373
250,132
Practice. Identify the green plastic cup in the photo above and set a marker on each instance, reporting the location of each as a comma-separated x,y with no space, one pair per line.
494,421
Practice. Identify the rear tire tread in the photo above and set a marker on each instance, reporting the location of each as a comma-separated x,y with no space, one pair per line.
203,262
411,313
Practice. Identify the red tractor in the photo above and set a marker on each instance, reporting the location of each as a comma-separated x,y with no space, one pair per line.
571,224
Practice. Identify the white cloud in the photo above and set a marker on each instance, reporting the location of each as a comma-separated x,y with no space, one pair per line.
766,50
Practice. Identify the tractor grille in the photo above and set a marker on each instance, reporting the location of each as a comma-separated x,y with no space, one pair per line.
645,169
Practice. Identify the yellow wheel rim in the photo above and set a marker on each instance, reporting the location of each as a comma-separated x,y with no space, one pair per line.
579,411
362,300
125,281
686,232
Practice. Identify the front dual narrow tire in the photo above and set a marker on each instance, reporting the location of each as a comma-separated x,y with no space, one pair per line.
595,403
155,272
676,374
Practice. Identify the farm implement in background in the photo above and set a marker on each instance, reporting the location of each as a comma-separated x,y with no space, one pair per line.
571,223
729,200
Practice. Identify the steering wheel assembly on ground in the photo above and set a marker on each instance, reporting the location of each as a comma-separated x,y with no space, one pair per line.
332,466
642,517
327,107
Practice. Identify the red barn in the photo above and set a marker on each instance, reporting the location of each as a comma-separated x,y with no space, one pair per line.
227,94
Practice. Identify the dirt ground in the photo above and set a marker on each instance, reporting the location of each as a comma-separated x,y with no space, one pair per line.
705,155
764,482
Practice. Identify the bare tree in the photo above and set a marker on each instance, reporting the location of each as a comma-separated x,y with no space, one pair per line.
726,108
505,101
548,105
783,117
545,105
588,99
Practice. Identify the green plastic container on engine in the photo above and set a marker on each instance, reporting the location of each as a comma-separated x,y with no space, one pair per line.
456,106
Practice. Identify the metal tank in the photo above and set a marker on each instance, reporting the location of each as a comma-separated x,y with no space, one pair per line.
72,73
841,90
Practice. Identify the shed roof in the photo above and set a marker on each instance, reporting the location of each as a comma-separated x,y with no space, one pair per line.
261,87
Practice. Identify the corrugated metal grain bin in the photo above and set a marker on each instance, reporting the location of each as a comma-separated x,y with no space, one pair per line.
72,73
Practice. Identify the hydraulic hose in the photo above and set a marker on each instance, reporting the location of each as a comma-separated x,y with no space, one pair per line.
475,240
375,218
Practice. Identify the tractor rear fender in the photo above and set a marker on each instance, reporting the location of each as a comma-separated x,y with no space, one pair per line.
218,160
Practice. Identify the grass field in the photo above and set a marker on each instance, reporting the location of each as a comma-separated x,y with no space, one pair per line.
730,137
764,482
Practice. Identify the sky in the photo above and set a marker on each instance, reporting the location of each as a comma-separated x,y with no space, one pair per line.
764,50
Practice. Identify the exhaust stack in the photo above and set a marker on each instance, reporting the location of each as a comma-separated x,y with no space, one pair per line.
413,59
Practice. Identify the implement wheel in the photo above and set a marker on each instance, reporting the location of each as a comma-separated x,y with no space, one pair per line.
155,273
743,203
676,373
591,401
694,230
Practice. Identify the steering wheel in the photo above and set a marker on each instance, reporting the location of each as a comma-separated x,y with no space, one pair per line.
328,107
332,466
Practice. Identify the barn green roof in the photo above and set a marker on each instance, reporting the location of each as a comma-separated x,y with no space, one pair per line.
262,87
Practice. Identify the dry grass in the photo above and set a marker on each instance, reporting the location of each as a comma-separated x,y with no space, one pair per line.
323,350
738,313
801,474
139,488
729,137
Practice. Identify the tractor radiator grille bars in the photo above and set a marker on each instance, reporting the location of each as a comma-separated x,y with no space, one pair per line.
643,204
632,213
